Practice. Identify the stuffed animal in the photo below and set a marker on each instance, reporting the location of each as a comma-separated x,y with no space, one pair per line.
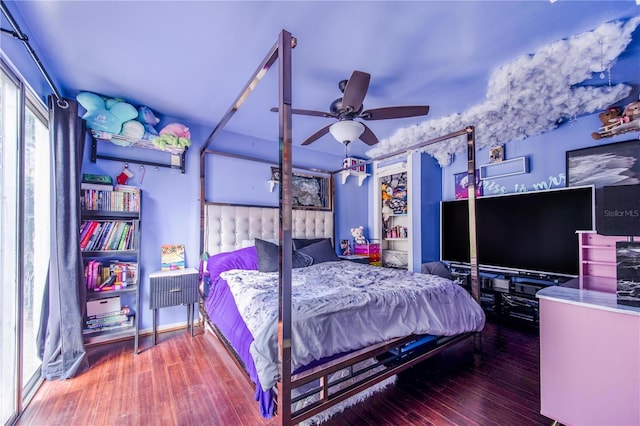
616,123
174,135
631,112
609,118
103,114
148,120
176,129
131,129
358,235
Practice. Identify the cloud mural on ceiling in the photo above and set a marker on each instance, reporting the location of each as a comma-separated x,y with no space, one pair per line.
530,95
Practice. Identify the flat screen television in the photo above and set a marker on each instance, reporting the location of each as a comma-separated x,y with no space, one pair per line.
531,232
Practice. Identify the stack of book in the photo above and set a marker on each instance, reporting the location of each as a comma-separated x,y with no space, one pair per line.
127,198
107,235
122,318
114,276
97,193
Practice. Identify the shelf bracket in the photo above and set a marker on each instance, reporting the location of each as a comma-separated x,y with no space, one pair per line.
346,173
181,164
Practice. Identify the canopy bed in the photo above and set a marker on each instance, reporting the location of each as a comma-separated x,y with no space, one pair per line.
310,366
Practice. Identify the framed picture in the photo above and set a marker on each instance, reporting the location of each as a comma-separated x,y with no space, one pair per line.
628,273
496,154
345,248
310,192
605,165
461,185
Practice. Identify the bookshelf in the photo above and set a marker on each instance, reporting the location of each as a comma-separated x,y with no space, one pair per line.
393,217
110,245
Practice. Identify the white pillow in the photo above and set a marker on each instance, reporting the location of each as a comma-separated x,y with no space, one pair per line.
251,243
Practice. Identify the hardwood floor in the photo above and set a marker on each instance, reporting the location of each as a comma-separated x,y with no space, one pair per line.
186,380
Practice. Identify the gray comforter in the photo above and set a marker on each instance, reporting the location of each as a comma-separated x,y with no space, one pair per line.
342,306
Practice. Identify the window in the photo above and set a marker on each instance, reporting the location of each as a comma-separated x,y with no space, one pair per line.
24,237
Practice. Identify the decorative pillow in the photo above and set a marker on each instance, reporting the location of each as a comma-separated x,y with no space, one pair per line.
437,268
299,243
251,243
246,258
321,251
268,257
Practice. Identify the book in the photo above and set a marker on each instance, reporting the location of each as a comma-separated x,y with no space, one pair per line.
172,257
103,236
99,179
117,235
90,228
123,237
94,235
113,326
96,186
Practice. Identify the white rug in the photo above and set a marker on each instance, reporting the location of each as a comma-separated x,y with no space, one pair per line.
341,406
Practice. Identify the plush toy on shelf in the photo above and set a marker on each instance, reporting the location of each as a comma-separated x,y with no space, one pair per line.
358,235
614,122
631,112
148,120
174,135
105,114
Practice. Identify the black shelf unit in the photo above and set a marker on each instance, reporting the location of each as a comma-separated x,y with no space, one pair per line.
517,304
131,293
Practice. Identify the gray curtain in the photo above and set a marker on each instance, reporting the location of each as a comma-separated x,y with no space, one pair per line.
60,343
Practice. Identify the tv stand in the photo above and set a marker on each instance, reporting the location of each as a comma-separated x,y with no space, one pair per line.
508,295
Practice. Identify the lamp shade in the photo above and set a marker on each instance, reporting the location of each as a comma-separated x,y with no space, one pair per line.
346,131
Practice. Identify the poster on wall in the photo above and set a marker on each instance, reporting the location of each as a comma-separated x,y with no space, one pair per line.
605,165
394,193
461,182
628,273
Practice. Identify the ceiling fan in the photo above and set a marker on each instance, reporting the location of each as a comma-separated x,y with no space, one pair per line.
349,107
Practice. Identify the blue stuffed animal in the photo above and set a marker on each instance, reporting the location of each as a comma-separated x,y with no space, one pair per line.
148,120
103,114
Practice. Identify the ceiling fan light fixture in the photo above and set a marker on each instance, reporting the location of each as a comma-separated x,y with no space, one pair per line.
346,131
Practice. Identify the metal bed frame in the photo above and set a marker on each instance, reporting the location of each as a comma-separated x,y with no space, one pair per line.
388,355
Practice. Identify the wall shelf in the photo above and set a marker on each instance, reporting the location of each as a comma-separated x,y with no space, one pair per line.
176,156
504,168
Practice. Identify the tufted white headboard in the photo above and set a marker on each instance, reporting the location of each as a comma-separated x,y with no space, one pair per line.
227,226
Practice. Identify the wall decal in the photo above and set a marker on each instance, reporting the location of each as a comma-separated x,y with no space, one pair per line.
531,95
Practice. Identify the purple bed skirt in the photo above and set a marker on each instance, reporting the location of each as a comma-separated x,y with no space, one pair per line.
223,313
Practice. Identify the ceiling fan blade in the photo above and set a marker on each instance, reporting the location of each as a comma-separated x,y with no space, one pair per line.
309,112
368,137
317,135
394,112
355,90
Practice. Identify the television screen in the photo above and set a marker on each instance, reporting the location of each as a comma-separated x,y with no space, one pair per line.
527,231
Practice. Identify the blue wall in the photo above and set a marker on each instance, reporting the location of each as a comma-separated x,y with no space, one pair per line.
546,155
171,199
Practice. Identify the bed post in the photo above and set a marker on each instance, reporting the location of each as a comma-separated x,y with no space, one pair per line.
285,44
473,244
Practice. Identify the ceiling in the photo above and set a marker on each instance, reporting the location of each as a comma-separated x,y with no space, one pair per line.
190,59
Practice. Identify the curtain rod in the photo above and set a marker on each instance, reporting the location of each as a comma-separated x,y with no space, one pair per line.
18,34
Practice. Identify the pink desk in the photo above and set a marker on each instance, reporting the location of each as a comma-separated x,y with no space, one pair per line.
589,358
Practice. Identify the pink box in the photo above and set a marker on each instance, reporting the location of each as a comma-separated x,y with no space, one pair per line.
361,249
